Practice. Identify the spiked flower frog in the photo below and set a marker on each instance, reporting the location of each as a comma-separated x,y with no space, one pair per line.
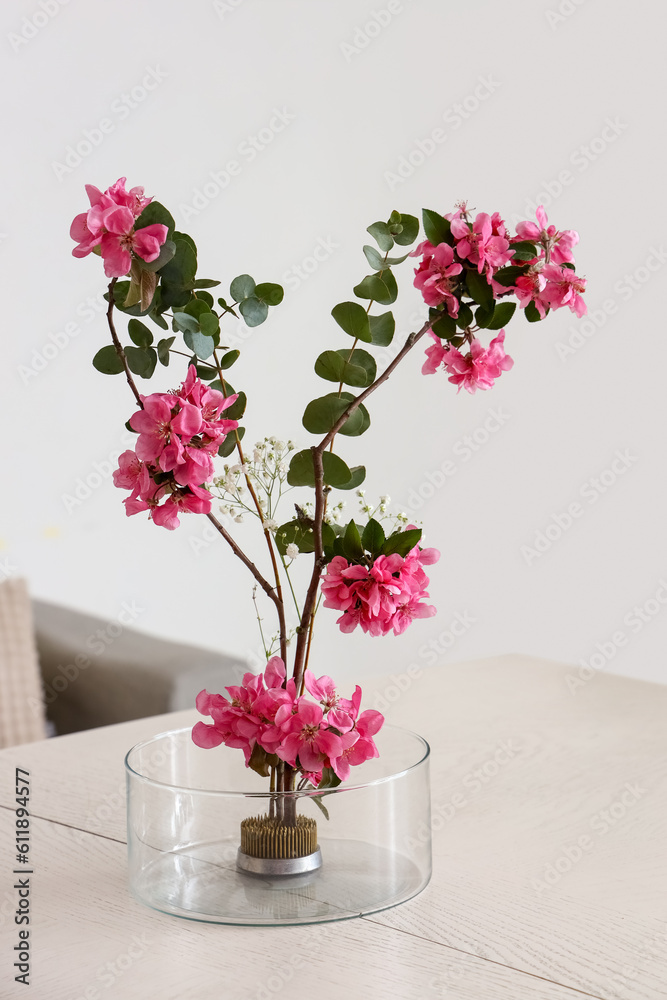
293,727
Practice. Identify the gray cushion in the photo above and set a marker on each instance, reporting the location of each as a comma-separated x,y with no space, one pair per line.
98,672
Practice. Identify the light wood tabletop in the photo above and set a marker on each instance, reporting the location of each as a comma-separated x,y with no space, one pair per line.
550,870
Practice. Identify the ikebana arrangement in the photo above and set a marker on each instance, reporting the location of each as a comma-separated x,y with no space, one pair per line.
293,727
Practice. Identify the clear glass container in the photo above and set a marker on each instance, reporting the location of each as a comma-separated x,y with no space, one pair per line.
185,806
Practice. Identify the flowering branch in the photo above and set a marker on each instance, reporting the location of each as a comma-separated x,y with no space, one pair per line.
119,347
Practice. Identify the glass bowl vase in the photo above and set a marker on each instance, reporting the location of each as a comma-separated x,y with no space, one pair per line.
185,806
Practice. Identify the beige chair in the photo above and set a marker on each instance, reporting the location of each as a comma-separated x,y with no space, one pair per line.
21,709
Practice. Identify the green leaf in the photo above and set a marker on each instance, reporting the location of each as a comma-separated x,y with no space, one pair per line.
163,350
142,361
197,308
200,345
352,546
205,372
502,314
479,288
139,334
444,327
178,274
242,287
322,414
353,319
228,445
107,361
382,329
483,316
532,315
302,473
380,233
358,476
154,213
205,283
436,227
378,262
373,537
261,761
237,409
358,371
329,780
524,250
156,317
228,359
507,275
270,293
186,323
253,310
401,542
354,427
380,288
464,318
409,230
294,533
227,308
210,325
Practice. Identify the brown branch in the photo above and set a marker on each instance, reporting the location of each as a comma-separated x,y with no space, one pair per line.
119,347
320,501
238,551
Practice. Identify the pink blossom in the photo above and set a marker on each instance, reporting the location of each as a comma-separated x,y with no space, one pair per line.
89,227
121,240
379,598
194,500
476,370
528,288
307,739
435,355
564,288
479,245
436,275
557,246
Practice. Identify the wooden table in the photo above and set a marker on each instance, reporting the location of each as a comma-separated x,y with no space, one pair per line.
550,880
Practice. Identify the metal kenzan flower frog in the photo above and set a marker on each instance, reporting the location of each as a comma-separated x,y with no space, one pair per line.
298,736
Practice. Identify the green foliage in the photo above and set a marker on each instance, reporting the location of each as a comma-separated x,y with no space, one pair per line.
380,233
163,350
379,287
242,287
444,327
464,318
323,413
356,368
237,409
479,288
524,250
352,547
154,213
502,314
436,228
358,476
401,542
178,275
405,231
380,263
139,334
302,472
107,361
373,537
353,319
270,293
228,359
142,361
532,314
200,345
382,329
507,275
229,444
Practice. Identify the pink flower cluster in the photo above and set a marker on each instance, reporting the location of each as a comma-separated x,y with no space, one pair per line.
310,735
178,435
548,281
109,225
476,370
384,596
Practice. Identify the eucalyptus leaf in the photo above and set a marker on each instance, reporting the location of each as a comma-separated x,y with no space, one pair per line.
353,319
107,361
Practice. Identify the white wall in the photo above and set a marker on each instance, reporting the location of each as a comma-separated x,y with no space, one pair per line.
219,71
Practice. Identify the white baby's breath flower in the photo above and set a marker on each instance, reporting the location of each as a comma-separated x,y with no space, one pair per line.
271,524
292,551
239,519
385,499
257,455
361,493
